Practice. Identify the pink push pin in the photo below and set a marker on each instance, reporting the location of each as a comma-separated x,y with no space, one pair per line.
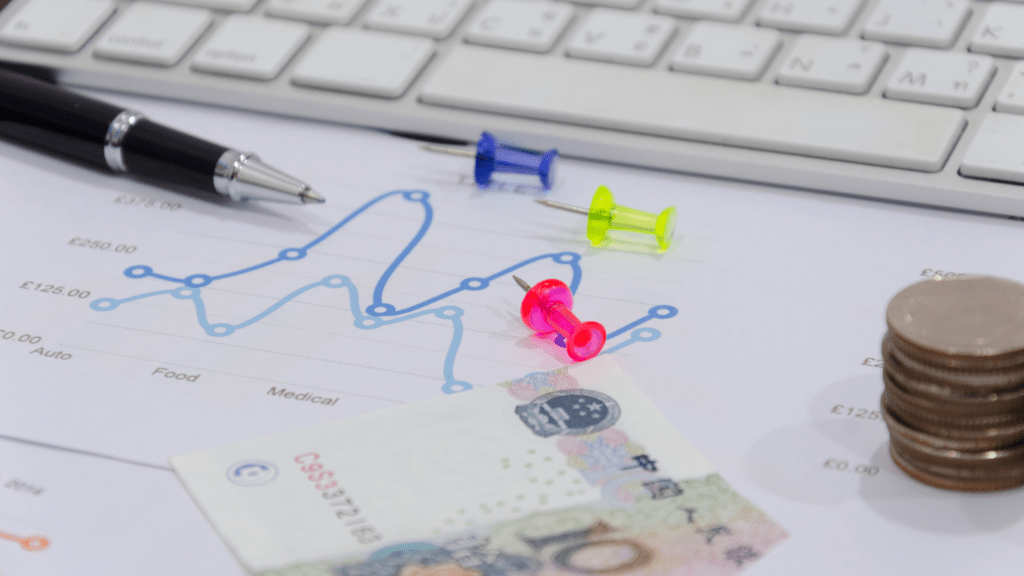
547,308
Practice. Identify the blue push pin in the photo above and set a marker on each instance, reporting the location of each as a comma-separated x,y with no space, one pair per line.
494,156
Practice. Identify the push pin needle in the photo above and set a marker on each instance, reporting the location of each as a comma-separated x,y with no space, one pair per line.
547,308
605,215
493,156
522,283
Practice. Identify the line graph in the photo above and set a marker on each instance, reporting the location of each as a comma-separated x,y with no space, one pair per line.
378,313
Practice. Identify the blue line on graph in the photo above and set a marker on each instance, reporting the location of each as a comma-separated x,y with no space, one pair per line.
374,315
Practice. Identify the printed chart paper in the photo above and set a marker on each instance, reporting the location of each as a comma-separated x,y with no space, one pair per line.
573,471
770,364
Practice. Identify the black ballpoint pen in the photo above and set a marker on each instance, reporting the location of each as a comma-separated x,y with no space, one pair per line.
125,141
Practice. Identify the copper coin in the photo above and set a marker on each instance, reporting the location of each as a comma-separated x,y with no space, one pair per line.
954,483
974,317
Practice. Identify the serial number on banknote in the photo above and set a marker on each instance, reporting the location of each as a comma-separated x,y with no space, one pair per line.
340,503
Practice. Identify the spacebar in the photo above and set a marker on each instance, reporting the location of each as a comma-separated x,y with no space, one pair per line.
865,129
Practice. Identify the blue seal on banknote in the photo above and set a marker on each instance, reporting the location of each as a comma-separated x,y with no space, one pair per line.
252,473
570,413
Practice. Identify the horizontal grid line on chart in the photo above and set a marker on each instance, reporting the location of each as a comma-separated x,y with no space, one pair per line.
311,330
232,374
46,446
253,348
280,246
513,289
388,342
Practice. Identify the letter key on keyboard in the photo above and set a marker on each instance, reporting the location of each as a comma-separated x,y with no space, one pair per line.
724,10
1001,33
624,37
531,26
430,18
928,23
832,64
727,50
944,78
832,17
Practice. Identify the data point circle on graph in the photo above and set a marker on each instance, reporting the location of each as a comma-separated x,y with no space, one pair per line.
567,258
449,312
104,304
220,330
645,334
663,311
198,280
334,281
138,271
292,254
380,309
456,386
368,323
185,293
475,283
415,195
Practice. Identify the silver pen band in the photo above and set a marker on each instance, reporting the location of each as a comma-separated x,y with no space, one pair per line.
116,133
242,176
225,174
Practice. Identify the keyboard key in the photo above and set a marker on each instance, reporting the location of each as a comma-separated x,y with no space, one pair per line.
997,151
701,108
1011,99
150,33
251,46
727,50
620,36
316,11
929,23
820,16
532,26
611,3
833,64
1001,32
430,18
376,63
226,5
724,10
55,24
944,78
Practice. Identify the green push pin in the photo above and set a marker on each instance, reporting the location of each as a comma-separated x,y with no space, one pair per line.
604,215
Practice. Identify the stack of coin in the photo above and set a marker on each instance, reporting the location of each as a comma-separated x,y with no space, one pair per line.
954,382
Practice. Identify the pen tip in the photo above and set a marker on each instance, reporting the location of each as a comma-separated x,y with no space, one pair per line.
309,196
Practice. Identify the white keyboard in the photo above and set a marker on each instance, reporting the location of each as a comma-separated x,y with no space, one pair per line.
910,100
